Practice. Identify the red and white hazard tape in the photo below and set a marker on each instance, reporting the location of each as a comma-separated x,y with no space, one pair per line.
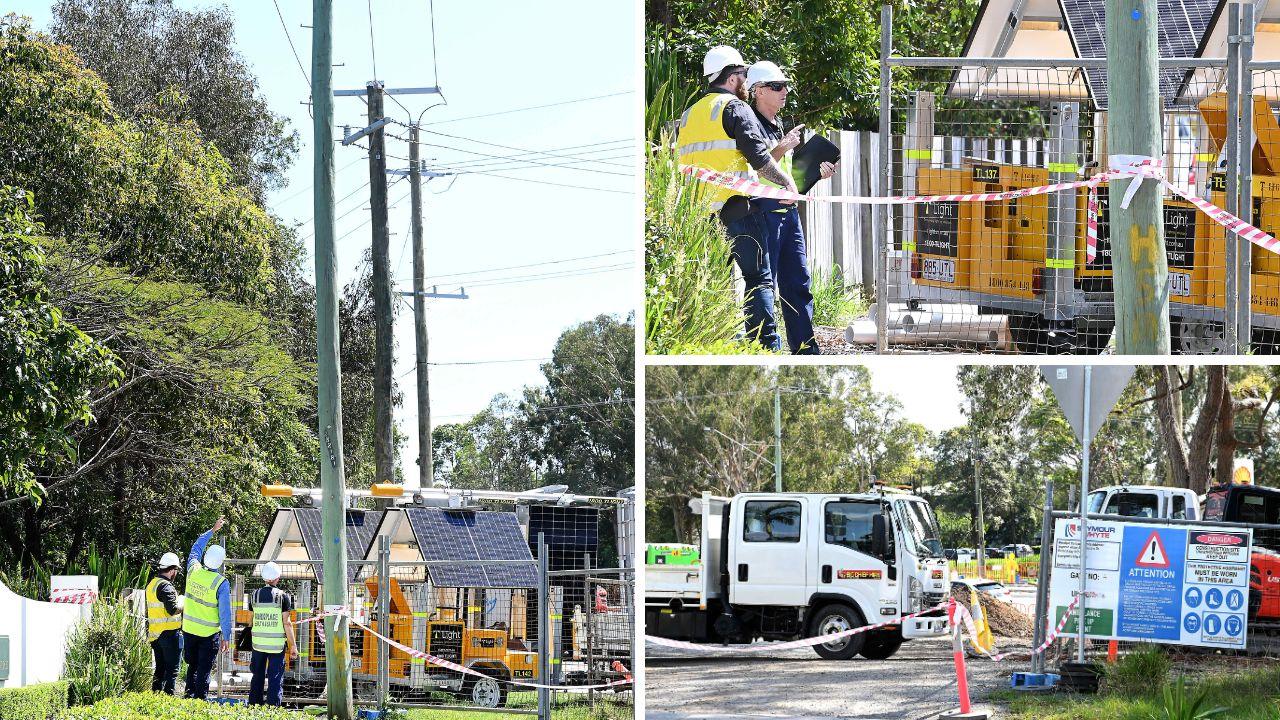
449,665
1133,167
78,598
789,645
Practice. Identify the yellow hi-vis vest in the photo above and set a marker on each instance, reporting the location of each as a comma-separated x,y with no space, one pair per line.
158,619
268,625
200,616
702,142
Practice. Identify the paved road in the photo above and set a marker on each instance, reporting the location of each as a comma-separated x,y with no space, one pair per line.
917,683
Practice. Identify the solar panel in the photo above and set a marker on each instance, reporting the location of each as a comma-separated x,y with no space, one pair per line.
469,535
361,526
1180,26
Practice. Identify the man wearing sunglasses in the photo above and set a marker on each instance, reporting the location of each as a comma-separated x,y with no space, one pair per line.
720,132
768,87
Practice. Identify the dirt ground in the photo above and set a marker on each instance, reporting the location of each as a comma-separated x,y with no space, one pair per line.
917,683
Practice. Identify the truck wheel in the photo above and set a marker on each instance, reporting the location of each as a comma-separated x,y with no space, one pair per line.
485,692
837,618
881,646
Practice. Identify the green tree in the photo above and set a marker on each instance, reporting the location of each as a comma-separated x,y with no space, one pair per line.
48,366
143,49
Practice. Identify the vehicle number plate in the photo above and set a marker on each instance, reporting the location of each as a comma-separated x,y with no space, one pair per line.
1179,284
939,270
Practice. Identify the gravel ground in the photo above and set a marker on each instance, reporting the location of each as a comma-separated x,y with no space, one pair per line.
917,683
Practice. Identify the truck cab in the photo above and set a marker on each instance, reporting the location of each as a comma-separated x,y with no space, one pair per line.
781,566
1254,504
1145,501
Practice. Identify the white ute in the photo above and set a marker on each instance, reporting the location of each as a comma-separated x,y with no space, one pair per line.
784,566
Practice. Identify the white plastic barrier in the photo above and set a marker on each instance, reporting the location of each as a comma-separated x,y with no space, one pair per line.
37,634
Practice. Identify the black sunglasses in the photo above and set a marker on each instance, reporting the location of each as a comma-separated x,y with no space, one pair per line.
776,86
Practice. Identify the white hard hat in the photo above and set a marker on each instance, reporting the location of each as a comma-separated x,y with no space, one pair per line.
214,556
271,572
765,71
169,560
718,58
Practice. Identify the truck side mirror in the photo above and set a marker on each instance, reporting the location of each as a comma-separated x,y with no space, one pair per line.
880,535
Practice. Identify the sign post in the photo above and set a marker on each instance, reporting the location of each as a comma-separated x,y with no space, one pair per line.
1086,395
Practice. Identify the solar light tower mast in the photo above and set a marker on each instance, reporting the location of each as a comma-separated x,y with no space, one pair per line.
1133,128
329,393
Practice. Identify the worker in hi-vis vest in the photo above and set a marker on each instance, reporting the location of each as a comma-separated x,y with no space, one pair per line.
164,623
767,86
272,630
206,616
720,132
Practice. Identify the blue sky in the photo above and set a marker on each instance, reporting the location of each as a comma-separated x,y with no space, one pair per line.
491,56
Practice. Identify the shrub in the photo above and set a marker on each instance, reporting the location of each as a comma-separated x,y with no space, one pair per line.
1143,671
1181,704
107,655
153,706
36,702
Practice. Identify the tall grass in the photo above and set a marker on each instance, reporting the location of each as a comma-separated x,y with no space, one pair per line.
107,655
667,91
833,303
116,575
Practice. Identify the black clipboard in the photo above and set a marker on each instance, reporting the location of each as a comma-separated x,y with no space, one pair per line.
806,161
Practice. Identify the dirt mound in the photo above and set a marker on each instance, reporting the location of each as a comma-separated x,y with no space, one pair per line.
1005,619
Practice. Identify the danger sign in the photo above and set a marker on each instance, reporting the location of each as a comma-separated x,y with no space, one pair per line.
1153,554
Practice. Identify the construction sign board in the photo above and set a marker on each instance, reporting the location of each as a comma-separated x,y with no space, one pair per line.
1181,585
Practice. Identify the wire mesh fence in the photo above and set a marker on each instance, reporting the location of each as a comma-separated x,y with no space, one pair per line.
1018,274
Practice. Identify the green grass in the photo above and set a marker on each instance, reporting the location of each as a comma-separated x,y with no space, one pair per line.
835,305
573,708
1249,695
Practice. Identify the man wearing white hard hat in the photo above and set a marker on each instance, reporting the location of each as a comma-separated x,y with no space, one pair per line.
768,87
720,132
272,628
164,623
206,617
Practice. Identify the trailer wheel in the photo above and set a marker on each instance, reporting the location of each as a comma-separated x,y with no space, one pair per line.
1196,337
881,646
485,692
838,618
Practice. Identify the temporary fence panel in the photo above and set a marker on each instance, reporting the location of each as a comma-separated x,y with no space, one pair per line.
840,235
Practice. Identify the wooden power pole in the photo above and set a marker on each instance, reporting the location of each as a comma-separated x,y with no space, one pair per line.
329,371
384,459
426,473
1133,128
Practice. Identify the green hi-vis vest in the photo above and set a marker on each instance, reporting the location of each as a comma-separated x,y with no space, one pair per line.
268,625
702,142
200,616
158,619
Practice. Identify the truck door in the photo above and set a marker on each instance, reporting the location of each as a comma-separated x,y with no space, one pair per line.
847,562
768,547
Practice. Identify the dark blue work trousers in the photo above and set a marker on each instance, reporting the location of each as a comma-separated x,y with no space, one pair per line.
749,235
789,262
267,669
199,652
167,652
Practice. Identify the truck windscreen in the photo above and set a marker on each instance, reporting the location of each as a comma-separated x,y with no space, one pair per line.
922,528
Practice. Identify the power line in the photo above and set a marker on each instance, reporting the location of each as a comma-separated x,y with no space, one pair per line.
523,109
544,182
579,272
529,265
599,148
570,165
305,189
497,161
435,67
296,57
373,46
491,144
534,162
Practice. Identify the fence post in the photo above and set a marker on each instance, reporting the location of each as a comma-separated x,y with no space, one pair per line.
1042,581
1060,256
384,619
886,186
590,603
1231,241
1244,249
544,631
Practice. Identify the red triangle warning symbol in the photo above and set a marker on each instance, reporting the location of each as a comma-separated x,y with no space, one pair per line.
1153,554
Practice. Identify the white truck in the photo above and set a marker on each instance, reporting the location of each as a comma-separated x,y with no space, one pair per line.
1146,501
784,566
